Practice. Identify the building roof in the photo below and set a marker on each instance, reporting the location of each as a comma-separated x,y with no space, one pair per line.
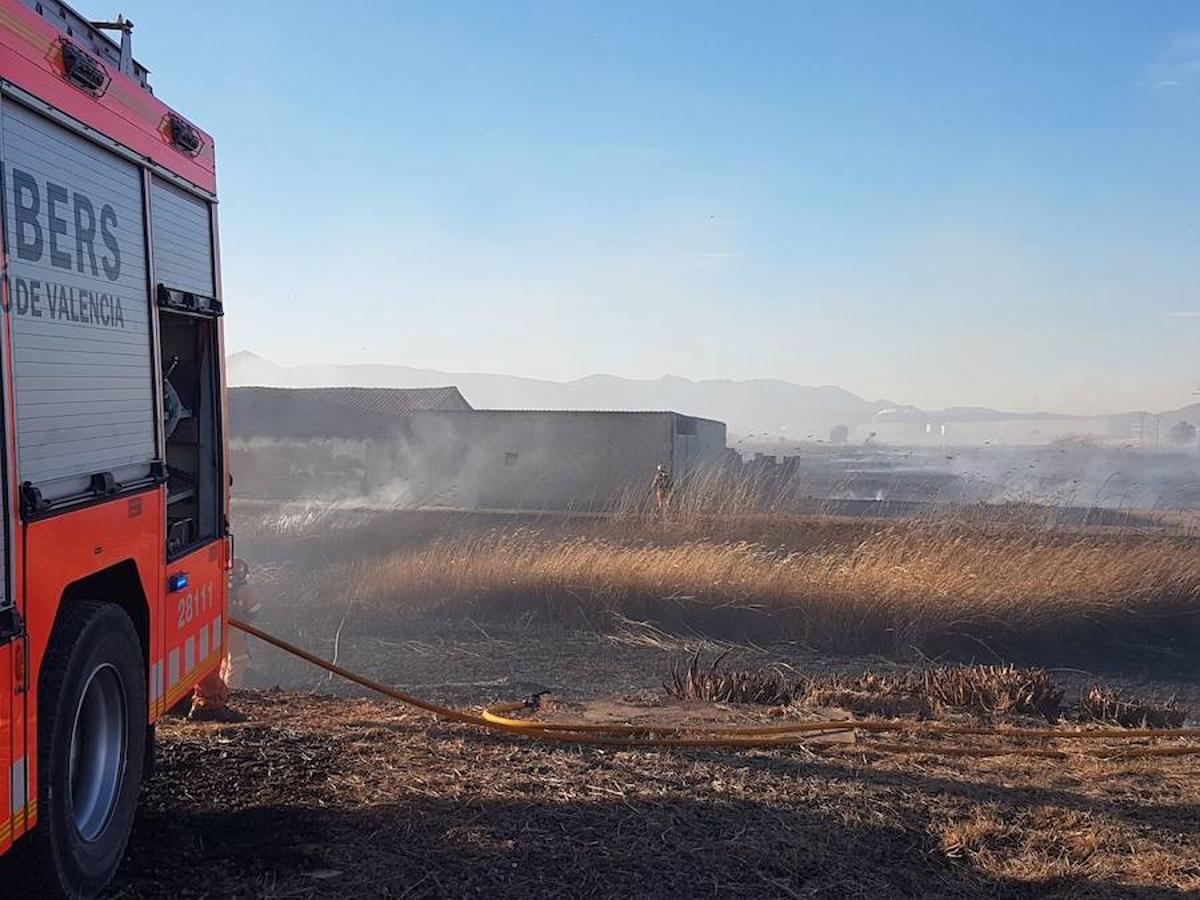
387,401
598,412
356,412
332,412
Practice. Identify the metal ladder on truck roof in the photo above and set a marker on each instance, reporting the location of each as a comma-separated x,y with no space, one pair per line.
92,38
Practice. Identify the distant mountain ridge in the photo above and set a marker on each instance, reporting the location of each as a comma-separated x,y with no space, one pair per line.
746,406
759,406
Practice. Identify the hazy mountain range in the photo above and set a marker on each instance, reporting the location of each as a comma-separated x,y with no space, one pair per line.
758,406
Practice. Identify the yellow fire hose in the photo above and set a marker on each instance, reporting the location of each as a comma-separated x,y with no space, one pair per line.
496,718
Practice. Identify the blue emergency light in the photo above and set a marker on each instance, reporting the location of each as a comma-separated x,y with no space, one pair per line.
177,582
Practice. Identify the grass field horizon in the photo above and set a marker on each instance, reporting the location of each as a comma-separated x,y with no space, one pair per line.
984,585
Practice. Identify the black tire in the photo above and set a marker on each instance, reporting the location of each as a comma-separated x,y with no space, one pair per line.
79,841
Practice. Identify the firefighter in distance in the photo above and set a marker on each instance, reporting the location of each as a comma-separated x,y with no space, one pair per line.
662,488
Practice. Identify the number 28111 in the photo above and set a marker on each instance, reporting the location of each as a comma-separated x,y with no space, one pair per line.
195,603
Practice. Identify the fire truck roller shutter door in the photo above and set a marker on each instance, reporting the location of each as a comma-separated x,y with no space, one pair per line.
83,370
182,239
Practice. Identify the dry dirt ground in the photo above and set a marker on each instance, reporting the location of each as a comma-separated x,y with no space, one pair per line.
320,796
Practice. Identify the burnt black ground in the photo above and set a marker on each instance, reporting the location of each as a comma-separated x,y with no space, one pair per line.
333,797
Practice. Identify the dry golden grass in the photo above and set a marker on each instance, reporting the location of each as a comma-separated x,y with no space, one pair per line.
714,684
901,587
779,493
987,691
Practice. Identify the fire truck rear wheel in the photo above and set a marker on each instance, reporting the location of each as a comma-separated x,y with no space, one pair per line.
91,748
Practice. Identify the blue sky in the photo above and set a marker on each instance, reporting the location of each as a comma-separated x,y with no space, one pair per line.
937,203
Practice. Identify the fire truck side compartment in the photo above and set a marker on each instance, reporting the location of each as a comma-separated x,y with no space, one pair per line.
182,239
80,302
189,343
181,229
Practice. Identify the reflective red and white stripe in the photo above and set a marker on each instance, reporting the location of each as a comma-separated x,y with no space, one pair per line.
22,811
196,652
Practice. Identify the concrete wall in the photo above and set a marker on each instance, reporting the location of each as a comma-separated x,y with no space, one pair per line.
554,460
497,459
298,468
698,444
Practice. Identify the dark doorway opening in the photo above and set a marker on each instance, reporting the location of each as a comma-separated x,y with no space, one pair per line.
192,428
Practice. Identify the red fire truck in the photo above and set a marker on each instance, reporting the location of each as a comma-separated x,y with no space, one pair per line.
115,498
